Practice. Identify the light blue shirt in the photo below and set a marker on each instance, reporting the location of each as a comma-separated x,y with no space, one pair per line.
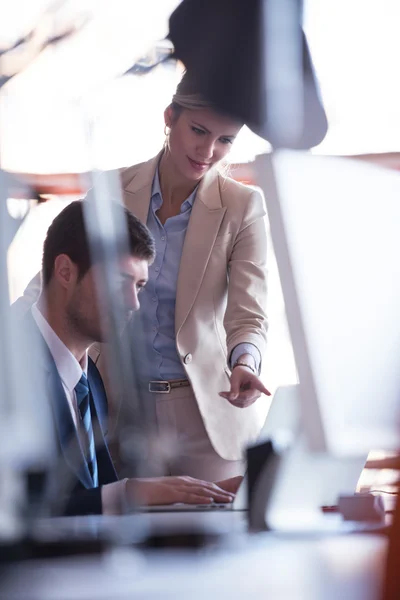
158,298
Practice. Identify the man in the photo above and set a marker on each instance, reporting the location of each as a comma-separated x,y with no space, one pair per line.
67,318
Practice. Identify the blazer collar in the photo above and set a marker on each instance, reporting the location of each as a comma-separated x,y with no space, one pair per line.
137,184
140,176
209,192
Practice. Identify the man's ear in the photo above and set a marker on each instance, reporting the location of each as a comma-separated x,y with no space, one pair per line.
65,271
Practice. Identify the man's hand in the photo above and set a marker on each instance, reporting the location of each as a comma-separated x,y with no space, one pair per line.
170,490
246,387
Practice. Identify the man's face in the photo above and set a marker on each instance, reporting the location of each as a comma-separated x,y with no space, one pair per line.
87,309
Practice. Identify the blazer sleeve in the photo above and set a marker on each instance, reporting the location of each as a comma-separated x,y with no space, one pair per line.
245,318
84,502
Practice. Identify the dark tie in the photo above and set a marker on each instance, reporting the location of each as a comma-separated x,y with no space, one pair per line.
83,400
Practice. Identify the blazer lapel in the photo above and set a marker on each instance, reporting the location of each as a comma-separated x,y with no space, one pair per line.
136,183
67,435
204,224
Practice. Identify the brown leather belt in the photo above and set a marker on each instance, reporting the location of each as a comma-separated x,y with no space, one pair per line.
164,387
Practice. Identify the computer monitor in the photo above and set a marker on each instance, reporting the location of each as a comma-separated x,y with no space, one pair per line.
335,227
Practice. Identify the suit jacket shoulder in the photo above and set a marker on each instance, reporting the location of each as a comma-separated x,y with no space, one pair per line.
69,486
140,175
241,198
127,174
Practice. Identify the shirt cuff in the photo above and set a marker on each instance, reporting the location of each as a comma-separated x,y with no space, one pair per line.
246,348
113,499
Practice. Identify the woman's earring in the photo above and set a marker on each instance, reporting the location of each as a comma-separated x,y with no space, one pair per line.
166,130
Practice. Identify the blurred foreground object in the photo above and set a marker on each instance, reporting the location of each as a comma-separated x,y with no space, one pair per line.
25,49
392,576
252,61
388,160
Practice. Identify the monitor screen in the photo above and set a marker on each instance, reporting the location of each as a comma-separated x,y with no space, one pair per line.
335,226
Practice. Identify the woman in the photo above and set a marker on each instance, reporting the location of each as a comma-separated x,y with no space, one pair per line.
203,309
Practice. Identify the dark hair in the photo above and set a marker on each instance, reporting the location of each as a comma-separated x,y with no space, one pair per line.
67,235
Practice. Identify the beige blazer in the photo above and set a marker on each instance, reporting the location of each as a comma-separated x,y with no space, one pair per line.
221,295
220,298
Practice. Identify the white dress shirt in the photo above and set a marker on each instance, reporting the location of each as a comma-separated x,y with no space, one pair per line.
70,372
69,369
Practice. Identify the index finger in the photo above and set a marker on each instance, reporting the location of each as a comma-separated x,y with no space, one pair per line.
261,388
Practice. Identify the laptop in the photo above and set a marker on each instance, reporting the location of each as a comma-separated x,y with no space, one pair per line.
281,423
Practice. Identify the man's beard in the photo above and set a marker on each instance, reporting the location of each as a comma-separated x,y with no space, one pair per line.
82,326
94,331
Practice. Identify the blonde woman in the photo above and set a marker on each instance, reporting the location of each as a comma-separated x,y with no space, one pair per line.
203,308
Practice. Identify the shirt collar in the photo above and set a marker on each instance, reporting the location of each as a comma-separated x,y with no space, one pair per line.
156,189
69,369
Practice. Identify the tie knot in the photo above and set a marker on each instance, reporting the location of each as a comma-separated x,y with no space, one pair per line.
82,389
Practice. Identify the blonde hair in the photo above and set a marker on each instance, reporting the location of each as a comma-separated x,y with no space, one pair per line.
188,97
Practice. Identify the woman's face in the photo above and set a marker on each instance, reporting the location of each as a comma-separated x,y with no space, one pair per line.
198,140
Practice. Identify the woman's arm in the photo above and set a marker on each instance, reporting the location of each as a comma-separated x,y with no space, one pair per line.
245,317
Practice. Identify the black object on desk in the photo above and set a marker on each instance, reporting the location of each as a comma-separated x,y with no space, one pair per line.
263,461
392,575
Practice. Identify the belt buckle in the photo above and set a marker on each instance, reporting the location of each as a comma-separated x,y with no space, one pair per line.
159,387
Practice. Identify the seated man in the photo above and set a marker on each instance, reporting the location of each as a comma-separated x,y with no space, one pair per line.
66,320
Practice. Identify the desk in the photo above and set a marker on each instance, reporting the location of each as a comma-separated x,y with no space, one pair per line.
265,565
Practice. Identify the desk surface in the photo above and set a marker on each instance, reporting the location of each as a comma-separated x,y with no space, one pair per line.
241,566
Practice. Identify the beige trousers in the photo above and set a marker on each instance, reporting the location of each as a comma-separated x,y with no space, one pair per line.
183,446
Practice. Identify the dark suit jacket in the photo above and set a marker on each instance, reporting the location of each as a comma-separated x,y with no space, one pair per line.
71,488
